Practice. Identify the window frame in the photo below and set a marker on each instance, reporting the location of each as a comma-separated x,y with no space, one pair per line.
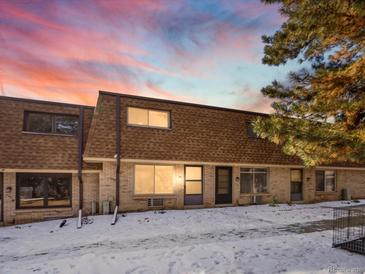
45,189
253,180
324,182
301,175
154,181
248,126
201,180
169,123
53,121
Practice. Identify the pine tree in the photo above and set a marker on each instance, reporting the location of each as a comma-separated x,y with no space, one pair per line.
320,111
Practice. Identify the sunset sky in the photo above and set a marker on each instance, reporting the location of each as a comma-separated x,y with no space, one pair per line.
202,51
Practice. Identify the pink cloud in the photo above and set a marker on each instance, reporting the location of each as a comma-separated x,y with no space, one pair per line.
71,49
256,100
158,92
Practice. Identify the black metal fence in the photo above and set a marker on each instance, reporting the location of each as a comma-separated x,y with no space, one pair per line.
349,228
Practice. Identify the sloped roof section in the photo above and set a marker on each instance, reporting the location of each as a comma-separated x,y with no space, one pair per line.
198,133
101,137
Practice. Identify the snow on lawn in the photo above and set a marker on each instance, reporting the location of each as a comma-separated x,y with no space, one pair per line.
252,239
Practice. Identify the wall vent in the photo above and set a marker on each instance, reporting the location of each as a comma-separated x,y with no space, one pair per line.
155,202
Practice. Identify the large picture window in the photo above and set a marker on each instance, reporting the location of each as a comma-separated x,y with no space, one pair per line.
253,180
41,122
43,190
153,179
326,180
148,117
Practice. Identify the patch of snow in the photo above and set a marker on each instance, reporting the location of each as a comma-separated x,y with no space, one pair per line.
249,239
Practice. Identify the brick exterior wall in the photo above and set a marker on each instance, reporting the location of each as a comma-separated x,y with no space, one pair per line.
107,185
209,186
202,135
21,150
17,216
131,202
91,191
278,187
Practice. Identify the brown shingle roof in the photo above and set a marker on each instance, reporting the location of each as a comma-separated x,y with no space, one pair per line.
199,133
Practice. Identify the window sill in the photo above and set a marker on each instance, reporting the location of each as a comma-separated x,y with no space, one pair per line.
153,196
42,209
254,194
149,127
48,134
326,192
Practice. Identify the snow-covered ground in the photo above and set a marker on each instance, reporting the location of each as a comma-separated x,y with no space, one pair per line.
252,239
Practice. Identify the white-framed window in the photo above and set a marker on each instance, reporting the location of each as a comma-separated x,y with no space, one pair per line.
326,180
253,180
148,117
153,179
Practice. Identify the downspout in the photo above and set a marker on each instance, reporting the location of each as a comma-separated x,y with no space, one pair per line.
117,155
79,163
117,149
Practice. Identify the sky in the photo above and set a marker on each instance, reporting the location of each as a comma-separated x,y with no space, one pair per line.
205,51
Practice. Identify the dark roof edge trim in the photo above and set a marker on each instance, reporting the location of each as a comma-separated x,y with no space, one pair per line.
44,102
180,103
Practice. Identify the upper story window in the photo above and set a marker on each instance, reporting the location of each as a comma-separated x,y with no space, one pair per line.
326,180
249,130
41,122
148,117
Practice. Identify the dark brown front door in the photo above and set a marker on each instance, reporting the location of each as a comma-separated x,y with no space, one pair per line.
223,185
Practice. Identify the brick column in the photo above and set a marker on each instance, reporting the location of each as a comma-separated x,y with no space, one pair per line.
209,186
236,188
107,185
9,197
75,194
279,184
179,185
309,185
127,188
91,190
